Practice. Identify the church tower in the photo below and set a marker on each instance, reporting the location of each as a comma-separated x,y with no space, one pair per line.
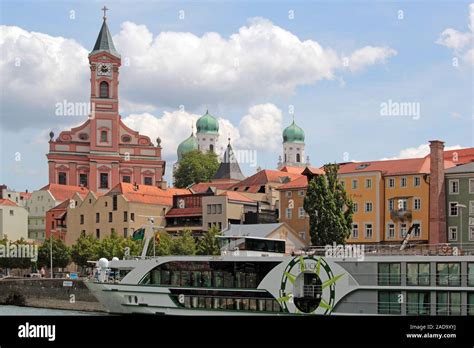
207,133
293,147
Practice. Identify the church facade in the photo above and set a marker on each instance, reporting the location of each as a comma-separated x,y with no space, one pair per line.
103,151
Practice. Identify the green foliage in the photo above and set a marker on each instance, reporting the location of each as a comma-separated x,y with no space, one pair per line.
329,208
184,244
84,250
196,167
61,253
207,244
164,245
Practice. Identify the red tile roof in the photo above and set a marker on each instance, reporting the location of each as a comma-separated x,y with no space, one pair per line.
8,202
204,186
25,195
61,206
298,183
253,183
235,196
143,194
460,156
63,192
196,211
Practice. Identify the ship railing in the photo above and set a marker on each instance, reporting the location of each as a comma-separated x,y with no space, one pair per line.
441,249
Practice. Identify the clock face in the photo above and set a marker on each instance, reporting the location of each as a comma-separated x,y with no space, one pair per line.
104,69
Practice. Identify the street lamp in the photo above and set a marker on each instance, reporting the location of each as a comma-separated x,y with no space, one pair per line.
462,206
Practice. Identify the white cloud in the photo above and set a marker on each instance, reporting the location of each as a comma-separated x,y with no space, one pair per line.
260,129
418,151
369,55
460,42
260,61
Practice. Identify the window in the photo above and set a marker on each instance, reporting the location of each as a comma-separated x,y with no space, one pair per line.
132,217
103,136
368,183
448,274
211,148
83,180
470,303
356,207
354,184
148,180
416,181
391,231
391,182
471,207
416,204
81,218
125,232
288,213
114,202
298,157
403,230
104,90
390,205
418,274
97,217
301,193
127,178
403,181
343,184
104,180
416,230
471,233
448,303
368,231
355,231
418,303
301,213
453,187
110,216
470,274
302,235
402,204
453,208
97,233
288,193
453,233
471,185
368,207
11,213
388,302
125,216
62,178
389,274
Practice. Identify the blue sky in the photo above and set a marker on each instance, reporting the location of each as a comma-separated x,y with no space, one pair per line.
340,114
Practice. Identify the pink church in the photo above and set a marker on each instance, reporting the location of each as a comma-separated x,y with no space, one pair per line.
103,151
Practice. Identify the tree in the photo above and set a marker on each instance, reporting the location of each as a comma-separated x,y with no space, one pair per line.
61,253
109,247
207,244
135,247
329,208
184,244
85,249
195,167
164,244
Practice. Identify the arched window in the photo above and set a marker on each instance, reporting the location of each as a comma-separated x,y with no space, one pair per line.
298,157
211,148
103,136
104,89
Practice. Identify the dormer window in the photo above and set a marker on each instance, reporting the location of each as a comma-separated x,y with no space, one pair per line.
104,90
103,136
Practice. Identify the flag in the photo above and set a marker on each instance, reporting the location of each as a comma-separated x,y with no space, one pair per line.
139,234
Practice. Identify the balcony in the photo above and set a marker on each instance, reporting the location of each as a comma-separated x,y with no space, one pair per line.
401,215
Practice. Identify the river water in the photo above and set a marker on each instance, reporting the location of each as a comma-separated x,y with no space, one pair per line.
15,310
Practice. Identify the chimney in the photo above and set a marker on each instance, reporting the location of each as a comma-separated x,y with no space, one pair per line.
437,232
163,185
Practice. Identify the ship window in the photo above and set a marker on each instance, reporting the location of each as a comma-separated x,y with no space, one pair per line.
418,274
470,303
470,274
448,274
418,303
389,274
388,302
448,303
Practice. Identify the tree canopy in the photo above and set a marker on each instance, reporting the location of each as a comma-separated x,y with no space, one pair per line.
195,167
207,244
61,253
329,208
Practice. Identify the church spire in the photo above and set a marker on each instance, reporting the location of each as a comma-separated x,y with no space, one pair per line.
104,41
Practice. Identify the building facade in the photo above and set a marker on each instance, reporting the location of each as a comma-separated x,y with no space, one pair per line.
460,204
13,221
103,151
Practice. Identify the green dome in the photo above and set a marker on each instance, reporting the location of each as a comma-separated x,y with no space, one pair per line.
186,146
207,124
293,134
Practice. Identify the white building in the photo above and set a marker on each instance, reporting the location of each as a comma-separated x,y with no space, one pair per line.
13,221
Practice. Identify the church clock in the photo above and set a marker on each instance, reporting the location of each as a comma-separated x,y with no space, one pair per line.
104,69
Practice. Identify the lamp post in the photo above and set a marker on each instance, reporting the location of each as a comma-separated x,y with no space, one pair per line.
461,206
51,252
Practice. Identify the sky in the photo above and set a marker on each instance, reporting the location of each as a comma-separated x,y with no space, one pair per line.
365,80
